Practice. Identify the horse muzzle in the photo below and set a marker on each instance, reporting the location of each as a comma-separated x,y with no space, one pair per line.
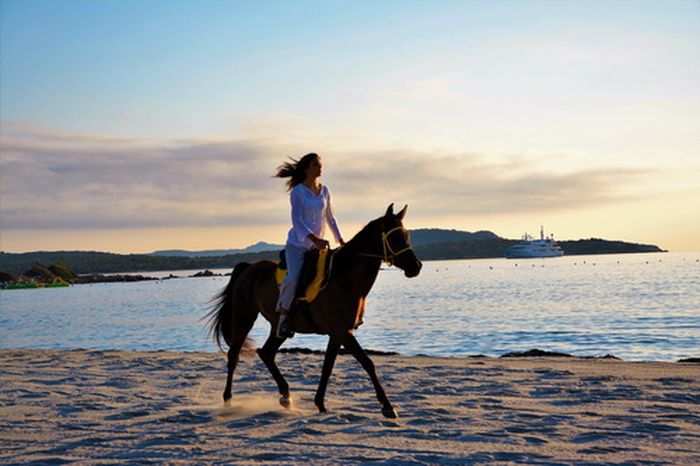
414,270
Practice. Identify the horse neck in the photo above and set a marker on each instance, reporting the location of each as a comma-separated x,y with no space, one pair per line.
366,241
358,270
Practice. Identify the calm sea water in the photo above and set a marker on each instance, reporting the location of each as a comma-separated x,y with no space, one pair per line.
637,307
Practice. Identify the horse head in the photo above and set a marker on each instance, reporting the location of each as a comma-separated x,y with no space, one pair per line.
396,244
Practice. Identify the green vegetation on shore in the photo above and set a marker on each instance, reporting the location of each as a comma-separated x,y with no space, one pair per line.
39,275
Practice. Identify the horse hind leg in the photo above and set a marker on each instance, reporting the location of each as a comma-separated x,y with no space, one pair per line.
232,362
267,354
234,351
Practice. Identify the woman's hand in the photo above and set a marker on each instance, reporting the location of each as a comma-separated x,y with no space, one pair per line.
319,243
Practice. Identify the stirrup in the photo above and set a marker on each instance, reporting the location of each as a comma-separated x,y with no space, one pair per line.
284,328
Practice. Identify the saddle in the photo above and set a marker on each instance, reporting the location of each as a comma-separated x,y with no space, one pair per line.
315,273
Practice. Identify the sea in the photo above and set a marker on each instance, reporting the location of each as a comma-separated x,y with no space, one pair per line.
633,306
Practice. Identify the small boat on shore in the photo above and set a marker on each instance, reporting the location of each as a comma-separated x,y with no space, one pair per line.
532,248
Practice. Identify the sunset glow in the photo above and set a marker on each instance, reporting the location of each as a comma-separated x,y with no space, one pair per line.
132,126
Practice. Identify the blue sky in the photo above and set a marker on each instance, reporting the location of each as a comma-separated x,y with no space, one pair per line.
580,112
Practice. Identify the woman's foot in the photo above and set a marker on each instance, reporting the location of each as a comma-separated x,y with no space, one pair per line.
284,326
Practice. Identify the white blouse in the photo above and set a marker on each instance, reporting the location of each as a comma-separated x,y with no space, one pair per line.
310,213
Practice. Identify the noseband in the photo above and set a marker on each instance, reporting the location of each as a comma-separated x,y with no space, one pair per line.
388,253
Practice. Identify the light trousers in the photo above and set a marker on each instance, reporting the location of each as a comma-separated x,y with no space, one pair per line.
288,288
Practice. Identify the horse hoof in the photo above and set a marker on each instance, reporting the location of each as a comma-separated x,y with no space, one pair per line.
321,408
227,397
286,401
390,413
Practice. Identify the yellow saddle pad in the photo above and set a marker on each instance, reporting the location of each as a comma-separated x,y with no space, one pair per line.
316,284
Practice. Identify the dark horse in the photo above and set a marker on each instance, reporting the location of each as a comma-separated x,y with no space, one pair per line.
336,311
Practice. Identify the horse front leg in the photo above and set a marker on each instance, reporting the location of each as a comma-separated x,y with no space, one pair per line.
328,362
352,345
267,353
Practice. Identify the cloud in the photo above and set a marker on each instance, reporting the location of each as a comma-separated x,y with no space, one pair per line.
54,180
471,184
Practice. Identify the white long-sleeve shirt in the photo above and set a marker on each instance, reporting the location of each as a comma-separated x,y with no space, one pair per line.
310,214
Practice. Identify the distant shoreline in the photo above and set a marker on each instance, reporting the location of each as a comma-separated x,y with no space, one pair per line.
136,275
91,262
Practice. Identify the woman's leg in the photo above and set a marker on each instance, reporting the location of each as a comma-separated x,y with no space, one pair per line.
295,261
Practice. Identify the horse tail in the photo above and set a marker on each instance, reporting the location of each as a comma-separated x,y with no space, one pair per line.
223,316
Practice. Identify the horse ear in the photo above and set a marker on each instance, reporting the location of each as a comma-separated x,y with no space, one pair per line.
390,210
401,214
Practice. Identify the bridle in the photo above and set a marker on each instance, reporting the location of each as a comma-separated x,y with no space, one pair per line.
388,254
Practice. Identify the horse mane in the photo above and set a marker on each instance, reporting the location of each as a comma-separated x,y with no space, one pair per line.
362,239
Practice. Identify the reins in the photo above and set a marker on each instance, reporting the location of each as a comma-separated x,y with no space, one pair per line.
388,254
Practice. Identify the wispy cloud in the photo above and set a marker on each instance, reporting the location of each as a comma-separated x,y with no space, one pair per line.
56,180
470,184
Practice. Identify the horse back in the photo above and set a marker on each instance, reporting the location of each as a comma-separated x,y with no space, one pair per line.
256,287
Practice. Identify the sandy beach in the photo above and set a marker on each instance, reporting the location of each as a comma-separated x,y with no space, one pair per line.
117,407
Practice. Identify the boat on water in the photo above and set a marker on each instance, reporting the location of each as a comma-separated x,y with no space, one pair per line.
532,248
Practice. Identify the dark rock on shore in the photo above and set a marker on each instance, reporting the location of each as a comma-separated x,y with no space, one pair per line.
111,278
536,353
41,275
206,273
39,272
370,352
607,356
7,277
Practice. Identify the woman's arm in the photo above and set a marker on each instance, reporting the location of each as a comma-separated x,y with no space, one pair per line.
330,218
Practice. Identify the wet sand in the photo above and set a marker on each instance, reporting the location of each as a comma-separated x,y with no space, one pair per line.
117,407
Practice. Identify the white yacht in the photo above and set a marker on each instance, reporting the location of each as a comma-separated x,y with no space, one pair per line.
529,247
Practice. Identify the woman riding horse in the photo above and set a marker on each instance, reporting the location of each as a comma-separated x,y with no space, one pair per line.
311,210
335,311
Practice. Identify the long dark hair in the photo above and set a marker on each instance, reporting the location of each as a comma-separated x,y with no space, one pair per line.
295,170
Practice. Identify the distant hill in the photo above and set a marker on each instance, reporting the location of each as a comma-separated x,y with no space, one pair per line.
423,236
604,246
429,244
84,262
418,237
257,247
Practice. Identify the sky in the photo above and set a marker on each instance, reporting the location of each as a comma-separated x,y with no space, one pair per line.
132,126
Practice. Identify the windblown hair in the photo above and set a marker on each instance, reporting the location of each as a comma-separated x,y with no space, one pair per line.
295,170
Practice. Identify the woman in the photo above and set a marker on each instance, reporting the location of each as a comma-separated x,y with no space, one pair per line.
311,211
